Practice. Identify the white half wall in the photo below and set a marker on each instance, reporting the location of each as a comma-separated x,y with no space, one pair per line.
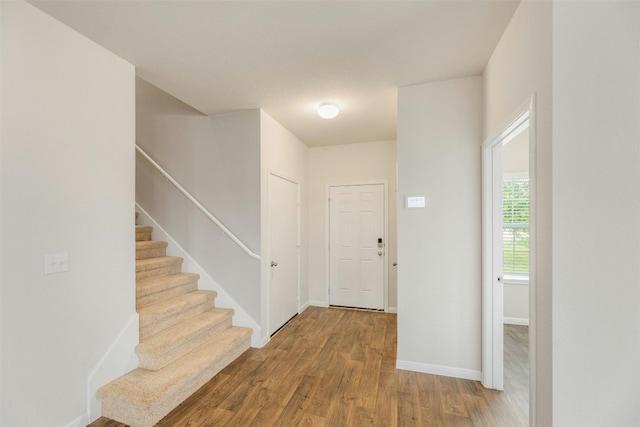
439,283
369,161
596,213
67,176
217,160
520,67
283,153
516,303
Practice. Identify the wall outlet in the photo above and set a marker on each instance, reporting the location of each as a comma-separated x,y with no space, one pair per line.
56,263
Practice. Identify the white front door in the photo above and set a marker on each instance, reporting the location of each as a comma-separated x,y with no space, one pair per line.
356,246
283,241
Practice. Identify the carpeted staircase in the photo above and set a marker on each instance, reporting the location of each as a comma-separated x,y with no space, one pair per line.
184,339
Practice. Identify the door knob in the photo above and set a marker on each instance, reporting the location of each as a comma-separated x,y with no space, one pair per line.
379,253
274,264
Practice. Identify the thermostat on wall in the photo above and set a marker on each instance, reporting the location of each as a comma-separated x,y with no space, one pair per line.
415,202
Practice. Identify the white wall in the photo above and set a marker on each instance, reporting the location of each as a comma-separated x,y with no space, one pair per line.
515,155
67,186
596,213
283,153
370,161
217,159
439,136
520,67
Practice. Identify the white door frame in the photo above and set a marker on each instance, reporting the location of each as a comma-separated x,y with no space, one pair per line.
385,223
267,259
492,296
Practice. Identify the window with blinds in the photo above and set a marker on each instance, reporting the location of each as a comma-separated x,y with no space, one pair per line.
515,232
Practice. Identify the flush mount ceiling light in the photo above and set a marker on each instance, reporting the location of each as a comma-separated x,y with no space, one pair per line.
328,110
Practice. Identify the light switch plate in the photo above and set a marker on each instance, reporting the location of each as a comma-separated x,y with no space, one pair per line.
416,202
56,263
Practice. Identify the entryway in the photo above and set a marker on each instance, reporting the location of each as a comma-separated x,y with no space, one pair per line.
357,241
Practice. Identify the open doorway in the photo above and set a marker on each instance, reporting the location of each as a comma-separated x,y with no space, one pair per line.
515,265
508,261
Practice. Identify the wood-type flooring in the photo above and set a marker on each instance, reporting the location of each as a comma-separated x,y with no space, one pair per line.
336,367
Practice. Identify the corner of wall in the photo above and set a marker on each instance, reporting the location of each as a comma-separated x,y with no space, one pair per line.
119,359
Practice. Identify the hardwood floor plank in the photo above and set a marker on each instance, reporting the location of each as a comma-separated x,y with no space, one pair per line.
256,401
386,413
516,366
293,411
479,411
309,420
335,367
198,403
389,346
409,411
363,417
430,399
326,386
368,390
408,382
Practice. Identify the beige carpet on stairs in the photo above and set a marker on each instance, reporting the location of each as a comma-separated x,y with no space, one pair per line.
184,339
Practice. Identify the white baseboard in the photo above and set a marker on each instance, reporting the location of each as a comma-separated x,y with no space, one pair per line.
304,307
223,299
81,421
515,321
445,371
392,310
318,303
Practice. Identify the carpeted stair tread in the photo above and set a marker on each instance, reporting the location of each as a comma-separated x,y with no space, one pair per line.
145,244
162,315
150,249
173,343
141,398
158,266
143,232
157,262
155,289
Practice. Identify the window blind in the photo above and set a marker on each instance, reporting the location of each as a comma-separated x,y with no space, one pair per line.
515,232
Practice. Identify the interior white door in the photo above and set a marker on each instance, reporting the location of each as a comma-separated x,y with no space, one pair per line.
356,246
497,267
283,241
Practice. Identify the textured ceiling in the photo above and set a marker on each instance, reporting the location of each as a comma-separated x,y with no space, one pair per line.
287,57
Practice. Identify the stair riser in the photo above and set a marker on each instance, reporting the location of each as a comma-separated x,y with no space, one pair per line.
165,294
149,327
162,271
143,236
151,253
154,362
122,410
